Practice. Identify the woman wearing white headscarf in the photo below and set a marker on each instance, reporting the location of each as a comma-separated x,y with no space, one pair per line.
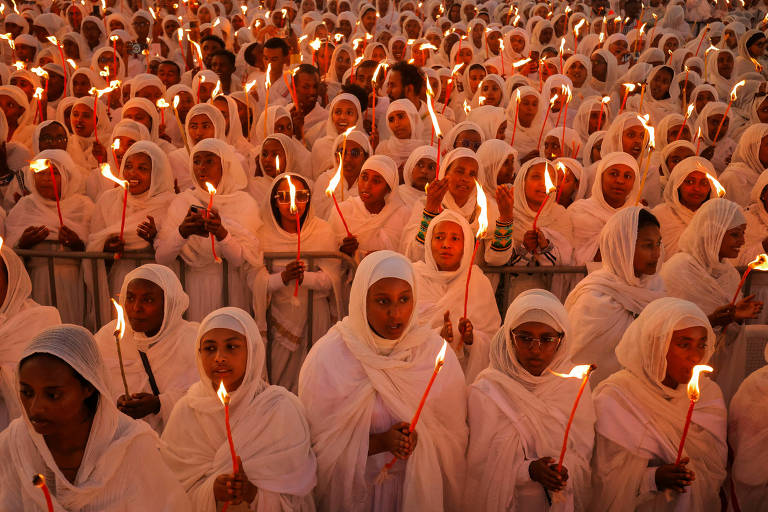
530,118
441,293
701,273
234,132
21,127
17,156
491,120
604,76
83,146
499,165
273,302
746,164
179,158
418,171
338,122
150,191
271,435
363,380
757,224
401,142
517,415
158,362
233,221
34,223
721,151
640,413
105,461
21,318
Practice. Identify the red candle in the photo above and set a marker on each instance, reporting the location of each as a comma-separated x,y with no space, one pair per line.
698,47
546,116
114,54
567,97
224,397
39,481
693,395
759,263
212,192
482,226
55,41
549,186
685,118
329,192
722,121
40,166
295,211
106,171
627,89
517,111
581,372
603,103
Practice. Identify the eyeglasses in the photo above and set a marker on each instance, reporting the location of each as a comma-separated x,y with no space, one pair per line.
547,343
468,144
284,196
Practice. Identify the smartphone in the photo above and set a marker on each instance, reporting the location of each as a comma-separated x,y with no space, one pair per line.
196,208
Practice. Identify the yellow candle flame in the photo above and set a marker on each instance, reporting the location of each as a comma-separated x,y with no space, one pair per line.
120,323
38,93
548,184
216,90
440,359
562,45
568,96
292,192
482,203
735,87
180,34
577,372
642,28
651,139
719,188
467,107
116,144
222,393
578,26
430,108
759,263
689,111
335,180
161,103
72,63
553,100
53,40
113,38
210,187
106,171
268,77
176,100
277,163
374,78
250,86
427,46
39,165
693,385
152,12
456,68
521,62
40,72
606,100
18,65
315,45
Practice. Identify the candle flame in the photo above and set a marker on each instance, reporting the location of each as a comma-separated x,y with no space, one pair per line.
719,188
38,480
629,87
548,184
735,87
578,26
440,359
315,45
18,65
216,90
642,29
689,111
106,171
268,77
430,108
467,107
374,79
553,100
427,46
40,72
335,180
606,100
114,39
176,100
180,34
644,121
521,62
38,93
693,384
292,192
72,63
222,393
249,86
577,372
39,165
566,91
120,323
562,45
210,187
482,203
161,103
456,68
116,144
53,40
759,263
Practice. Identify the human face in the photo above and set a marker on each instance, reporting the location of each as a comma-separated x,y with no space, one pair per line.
144,306
599,67
670,45
517,42
44,185
506,171
25,85
222,106
398,49
369,20
702,99
762,111
677,156
271,151
71,50
552,148
342,63
617,182
535,186
461,175
529,107
54,399
492,93
618,49
475,77
224,357
141,27
91,33
168,74
686,349
343,115
567,187
150,92
469,139
399,124
395,89
538,356
222,66
81,84
82,120
389,305
447,246
423,172
725,64
660,84
306,90
200,127
275,57
672,132
373,189
53,136
730,39
595,153
647,250
137,171
713,123
763,151
286,215
139,115
75,18
632,140
694,190
577,73
757,49
207,168
733,241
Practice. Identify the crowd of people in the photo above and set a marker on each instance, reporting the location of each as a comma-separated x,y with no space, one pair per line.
419,150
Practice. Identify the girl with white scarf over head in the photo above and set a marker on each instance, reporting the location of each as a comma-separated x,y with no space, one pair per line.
518,412
270,433
21,128
118,462
640,412
615,186
154,301
442,279
375,217
701,273
530,117
21,318
403,139
359,388
358,149
757,225
83,145
687,189
499,165
343,113
234,132
273,302
233,220
17,156
419,170
203,121
708,122
34,223
275,157
604,303
150,191
748,161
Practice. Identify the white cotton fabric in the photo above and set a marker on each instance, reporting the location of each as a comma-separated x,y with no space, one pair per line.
400,149
408,193
745,166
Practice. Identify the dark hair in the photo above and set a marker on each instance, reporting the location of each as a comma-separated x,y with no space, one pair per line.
226,54
368,63
306,69
645,219
409,75
92,402
358,92
216,39
273,202
248,54
170,63
755,38
276,43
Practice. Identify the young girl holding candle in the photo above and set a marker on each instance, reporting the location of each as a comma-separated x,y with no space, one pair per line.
714,236
203,121
276,466
275,157
641,411
357,149
23,319
274,288
363,381
343,113
404,125
604,303
232,222
91,455
34,224
441,281
721,151
530,115
156,346
18,114
518,410
748,161
87,152
499,165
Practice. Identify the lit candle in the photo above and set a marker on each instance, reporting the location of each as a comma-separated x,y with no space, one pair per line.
685,85
114,53
55,41
759,263
603,103
501,54
730,102
212,192
180,37
517,111
267,85
549,187
329,192
546,116
562,48
482,226
115,147
39,481
162,105
642,95
38,95
199,83
576,31
435,127
439,362
693,395
295,211
685,119
107,173
703,35
698,139
706,57
578,372
176,101
224,397
43,165
118,333
430,108
449,86
247,87
567,94
651,145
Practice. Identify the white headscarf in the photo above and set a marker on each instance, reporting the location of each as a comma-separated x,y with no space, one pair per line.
408,194
400,149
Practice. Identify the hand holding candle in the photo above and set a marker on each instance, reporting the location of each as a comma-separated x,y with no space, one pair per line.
482,227
693,395
119,331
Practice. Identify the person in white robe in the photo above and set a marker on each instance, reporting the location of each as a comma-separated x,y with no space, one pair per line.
418,171
91,456
605,303
363,381
343,113
34,224
21,318
442,283
203,121
518,409
274,305
531,121
276,466
640,414
702,273
747,163
720,151
156,345
232,220
404,127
